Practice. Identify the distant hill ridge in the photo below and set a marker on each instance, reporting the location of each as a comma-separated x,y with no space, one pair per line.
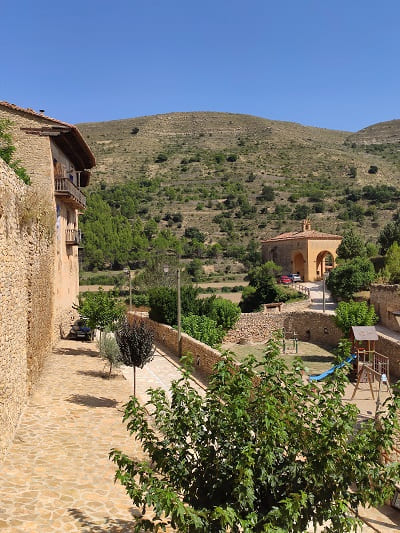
380,133
213,166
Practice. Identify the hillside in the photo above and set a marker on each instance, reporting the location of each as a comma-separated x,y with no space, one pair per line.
239,177
380,133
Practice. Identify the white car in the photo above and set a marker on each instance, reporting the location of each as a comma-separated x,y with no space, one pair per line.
295,277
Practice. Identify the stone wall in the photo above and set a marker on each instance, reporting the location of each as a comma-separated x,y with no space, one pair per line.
26,299
309,326
386,301
204,356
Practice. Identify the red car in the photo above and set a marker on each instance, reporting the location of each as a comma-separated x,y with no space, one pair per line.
285,280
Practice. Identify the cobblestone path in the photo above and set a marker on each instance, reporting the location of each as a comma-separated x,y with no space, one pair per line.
57,476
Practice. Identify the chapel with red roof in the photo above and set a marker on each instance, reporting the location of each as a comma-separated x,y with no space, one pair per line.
308,252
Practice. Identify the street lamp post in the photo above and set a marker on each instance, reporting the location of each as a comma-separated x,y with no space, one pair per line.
324,276
128,272
178,281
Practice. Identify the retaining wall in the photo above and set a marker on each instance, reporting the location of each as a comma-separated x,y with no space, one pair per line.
204,356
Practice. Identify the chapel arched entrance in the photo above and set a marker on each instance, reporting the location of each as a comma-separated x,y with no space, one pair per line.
298,264
324,263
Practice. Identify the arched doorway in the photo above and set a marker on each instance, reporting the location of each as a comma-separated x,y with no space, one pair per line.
298,264
325,263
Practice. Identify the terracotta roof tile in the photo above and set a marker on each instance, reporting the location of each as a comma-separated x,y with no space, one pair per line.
307,234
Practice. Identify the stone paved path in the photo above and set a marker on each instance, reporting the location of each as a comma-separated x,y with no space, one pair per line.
57,476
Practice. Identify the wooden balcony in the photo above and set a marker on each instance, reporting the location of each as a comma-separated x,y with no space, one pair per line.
69,193
73,237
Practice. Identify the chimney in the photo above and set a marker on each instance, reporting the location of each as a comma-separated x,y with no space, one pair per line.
306,224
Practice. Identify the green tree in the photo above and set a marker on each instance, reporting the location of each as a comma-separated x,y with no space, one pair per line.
261,452
268,193
100,309
348,314
109,351
352,276
352,246
389,234
392,263
195,269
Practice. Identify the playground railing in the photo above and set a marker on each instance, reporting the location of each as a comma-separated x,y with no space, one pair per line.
381,364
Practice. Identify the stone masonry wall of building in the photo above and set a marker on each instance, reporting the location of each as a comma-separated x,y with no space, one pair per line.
35,154
26,293
386,301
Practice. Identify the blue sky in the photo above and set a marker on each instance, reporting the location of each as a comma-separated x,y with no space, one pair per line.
332,64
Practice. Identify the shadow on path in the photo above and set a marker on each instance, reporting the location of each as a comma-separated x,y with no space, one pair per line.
99,374
92,401
83,349
111,525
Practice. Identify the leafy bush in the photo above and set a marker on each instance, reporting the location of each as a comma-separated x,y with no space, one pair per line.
140,300
7,151
225,313
194,233
348,314
161,158
231,158
352,276
163,303
204,329
268,193
373,169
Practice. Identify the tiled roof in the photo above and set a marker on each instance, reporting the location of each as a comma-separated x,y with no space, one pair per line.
79,140
307,234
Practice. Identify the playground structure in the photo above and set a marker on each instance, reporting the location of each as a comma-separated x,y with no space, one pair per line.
290,345
370,365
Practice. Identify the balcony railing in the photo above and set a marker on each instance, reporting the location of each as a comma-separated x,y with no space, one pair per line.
73,237
69,192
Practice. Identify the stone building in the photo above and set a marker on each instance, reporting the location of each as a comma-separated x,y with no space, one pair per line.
386,301
57,160
308,252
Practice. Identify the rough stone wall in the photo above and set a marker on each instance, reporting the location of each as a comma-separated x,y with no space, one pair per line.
204,356
386,301
26,300
33,151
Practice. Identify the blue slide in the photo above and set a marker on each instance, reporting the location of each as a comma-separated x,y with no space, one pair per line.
327,373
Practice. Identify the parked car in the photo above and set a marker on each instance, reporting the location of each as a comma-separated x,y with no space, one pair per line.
81,331
295,277
285,280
